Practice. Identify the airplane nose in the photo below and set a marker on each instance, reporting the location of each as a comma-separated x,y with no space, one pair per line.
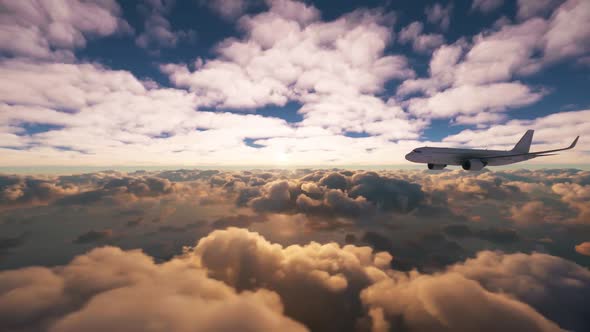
409,157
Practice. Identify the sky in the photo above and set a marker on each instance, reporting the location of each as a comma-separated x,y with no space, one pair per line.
288,83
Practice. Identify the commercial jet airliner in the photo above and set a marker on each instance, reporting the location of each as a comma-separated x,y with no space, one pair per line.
476,159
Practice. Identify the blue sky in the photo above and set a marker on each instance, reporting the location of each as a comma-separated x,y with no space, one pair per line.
287,82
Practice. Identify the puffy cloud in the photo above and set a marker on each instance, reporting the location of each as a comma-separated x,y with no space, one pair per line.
161,297
334,274
530,8
486,6
157,29
489,288
18,191
429,303
577,196
52,30
420,42
247,282
583,248
334,69
496,57
472,99
555,287
437,14
569,31
387,193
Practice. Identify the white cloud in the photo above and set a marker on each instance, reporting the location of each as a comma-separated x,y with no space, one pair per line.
420,42
569,31
437,14
531,8
53,30
471,99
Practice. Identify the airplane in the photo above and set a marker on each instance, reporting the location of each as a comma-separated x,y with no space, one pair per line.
477,159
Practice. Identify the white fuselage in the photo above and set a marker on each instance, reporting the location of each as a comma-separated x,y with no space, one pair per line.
451,156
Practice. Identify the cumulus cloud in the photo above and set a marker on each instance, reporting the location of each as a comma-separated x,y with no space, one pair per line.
22,191
492,59
316,286
335,274
157,29
529,8
420,42
334,69
52,30
160,297
439,14
428,302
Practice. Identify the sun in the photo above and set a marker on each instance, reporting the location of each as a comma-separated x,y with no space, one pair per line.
282,158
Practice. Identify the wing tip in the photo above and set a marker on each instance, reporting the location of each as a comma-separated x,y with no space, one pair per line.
574,142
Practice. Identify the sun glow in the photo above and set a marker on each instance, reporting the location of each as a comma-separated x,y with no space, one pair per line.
282,158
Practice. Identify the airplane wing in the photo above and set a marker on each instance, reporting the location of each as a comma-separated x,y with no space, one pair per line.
536,154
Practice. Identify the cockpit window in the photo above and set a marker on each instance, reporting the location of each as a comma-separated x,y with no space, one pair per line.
417,151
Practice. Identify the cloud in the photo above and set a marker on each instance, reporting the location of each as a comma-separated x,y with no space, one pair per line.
9,243
472,99
423,43
160,297
568,33
334,274
533,280
94,236
50,30
23,191
531,8
157,29
495,57
437,14
486,6
583,248
492,234
228,9
316,286
336,86
489,290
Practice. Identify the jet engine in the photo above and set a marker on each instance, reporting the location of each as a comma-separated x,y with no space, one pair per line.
473,165
436,166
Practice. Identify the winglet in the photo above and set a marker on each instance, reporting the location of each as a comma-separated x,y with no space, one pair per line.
574,143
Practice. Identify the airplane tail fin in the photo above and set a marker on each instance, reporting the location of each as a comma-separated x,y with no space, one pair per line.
524,144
